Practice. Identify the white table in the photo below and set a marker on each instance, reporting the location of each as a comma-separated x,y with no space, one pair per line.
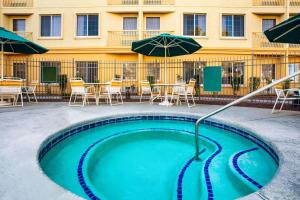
166,85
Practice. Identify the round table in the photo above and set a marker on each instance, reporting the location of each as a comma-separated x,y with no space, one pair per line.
166,85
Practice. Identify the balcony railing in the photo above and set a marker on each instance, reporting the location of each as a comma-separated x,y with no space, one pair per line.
158,2
152,33
260,41
122,38
295,3
17,3
269,2
122,2
27,35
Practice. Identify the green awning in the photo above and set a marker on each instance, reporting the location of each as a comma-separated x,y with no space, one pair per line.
286,32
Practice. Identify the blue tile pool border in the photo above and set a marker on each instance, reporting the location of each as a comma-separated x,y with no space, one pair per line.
74,130
240,171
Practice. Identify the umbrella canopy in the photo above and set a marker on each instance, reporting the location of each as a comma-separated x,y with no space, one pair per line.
11,42
286,32
166,45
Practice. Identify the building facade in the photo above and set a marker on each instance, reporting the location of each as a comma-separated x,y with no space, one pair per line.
91,33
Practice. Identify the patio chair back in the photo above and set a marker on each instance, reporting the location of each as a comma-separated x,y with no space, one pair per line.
191,86
145,86
115,86
77,86
279,93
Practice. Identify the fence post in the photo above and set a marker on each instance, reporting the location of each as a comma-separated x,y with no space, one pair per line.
73,67
252,72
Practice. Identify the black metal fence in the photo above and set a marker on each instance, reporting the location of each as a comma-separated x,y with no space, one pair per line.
240,75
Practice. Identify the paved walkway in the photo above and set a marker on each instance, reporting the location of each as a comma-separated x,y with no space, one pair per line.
22,130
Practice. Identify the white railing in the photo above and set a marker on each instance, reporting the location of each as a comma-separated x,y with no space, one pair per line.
17,3
252,94
259,40
268,2
122,38
152,33
158,2
122,2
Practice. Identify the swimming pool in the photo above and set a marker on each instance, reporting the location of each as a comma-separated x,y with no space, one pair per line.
152,157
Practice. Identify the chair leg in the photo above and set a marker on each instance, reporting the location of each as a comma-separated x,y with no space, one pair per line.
75,98
282,104
28,96
36,101
70,99
22,99
141,96
187,100
83,100
121,98
274,107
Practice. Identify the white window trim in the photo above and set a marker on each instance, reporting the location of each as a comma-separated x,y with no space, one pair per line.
232,37
261,75
51,37
194,36
135,71
87,36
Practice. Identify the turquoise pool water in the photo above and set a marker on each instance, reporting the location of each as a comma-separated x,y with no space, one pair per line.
153,159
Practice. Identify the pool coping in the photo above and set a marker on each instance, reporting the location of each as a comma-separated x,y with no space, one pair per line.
181,114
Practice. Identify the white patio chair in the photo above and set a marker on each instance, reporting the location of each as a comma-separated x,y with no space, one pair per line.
154,92
115,88
184,91
284,95
78,89
30,90
11,89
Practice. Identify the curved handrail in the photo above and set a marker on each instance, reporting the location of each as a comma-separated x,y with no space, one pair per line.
232,104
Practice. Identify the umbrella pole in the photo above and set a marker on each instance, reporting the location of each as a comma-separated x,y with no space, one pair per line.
166,101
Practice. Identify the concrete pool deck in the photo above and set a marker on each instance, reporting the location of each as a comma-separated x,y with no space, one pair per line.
22,130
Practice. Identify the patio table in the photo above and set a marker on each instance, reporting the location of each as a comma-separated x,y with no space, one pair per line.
166,85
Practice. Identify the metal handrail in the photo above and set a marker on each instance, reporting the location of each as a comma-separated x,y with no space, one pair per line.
232,104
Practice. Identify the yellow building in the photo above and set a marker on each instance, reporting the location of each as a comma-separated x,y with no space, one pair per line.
93,35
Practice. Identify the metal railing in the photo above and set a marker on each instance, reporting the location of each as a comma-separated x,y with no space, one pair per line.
27,35
158,2
122,38
259,40
295,3
122,2
268,2
252,94
152,33
17,3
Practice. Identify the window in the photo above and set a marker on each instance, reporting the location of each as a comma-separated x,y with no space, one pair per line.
19,70
87,70
268,72
193,70
153,69
292,69
194,24
232,69
267,24
152,23
233,26
50,71
19,25
129,71
51,26
87,25
130,23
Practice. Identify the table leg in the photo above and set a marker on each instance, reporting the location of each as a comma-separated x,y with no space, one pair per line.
166,101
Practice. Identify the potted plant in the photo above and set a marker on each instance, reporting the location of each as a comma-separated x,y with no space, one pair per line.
254,83
235,82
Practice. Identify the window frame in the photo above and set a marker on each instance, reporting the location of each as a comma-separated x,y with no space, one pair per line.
262,22
14,67
86,63
194,36
136,72
58,70
51,37
87,36
14,19
295,79
233,37
148,17
275,71
232,71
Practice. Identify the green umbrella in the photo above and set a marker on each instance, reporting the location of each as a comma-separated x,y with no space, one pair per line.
11,42
286,32
166,45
